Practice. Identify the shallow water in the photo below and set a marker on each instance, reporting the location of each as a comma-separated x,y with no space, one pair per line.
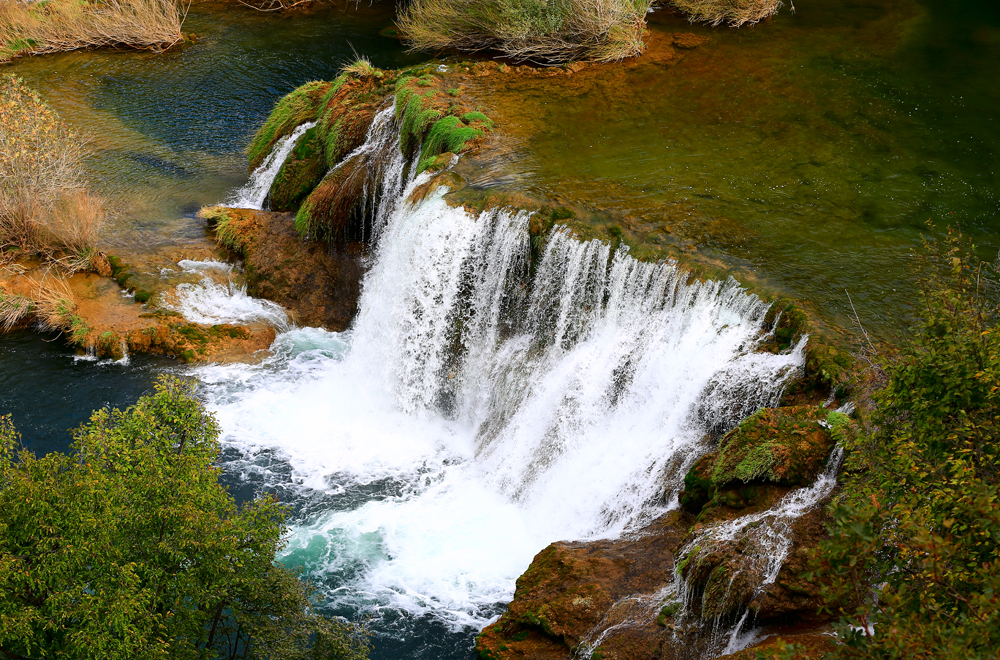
170,128
810,150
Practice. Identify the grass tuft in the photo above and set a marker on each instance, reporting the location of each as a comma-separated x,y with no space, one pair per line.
52,26
548,30
734,13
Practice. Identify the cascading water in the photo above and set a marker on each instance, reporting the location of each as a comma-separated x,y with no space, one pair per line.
253,194
474,414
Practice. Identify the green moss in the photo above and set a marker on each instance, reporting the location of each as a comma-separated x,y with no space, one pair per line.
779,445
143,296
299,174
295,108
698,486
475,115
448,134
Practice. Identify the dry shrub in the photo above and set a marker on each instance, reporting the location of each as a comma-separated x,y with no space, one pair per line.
542,30
44,206
275,5
33,28
734,13
55,304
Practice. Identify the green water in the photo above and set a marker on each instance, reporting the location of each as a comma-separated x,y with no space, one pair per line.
810,150
170,128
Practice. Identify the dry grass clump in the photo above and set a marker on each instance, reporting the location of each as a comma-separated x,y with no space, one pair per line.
361,67
45,208
734,13
55,308
33,28
13,309
542,30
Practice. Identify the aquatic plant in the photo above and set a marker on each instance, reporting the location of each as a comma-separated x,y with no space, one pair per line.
130,547
552,31
45,207
34,28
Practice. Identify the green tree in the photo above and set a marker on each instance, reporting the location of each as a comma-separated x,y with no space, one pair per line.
130,548
913,563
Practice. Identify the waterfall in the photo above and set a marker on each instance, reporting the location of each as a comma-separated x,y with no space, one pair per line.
254,192
475,412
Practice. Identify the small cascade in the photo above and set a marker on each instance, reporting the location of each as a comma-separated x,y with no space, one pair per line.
124,359
254,192
764,541
218,299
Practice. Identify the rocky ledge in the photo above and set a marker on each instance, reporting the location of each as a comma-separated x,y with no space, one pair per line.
666,590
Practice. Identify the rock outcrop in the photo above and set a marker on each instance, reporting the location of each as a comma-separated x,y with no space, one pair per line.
317,286
666,590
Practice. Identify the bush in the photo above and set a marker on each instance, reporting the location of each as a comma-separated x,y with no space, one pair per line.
34,28
550,30
45,207
914,560
734,13
130,548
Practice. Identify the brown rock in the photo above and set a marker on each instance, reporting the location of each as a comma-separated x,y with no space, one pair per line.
317,286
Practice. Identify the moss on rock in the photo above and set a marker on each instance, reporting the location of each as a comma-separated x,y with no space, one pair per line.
297,107
786,446
299,175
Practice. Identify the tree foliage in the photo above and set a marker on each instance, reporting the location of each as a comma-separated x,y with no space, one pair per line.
913,563
130,548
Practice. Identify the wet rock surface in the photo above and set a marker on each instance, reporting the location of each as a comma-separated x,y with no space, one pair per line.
316,285
681,585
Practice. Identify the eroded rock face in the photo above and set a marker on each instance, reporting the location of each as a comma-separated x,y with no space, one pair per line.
316,286
570,589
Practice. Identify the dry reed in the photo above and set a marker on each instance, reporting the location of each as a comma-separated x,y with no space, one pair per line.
45,207
34,28
549,31
734,13
13,309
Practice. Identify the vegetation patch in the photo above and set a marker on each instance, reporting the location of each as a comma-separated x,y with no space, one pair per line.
293,109
552,31
734,13
51,26
45,207
130,547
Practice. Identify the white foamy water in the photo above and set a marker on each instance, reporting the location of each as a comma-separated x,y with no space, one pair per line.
469,419
217,300
255,190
